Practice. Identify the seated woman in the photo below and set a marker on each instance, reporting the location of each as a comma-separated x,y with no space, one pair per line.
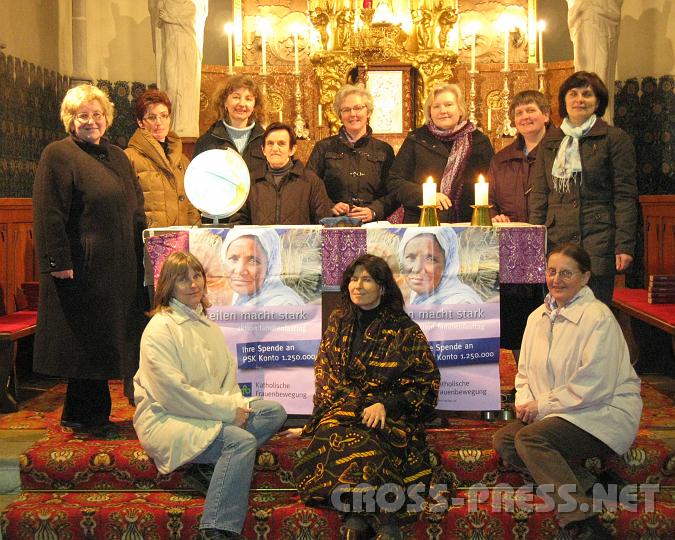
376,388
189,407
252,259
577,395
430,263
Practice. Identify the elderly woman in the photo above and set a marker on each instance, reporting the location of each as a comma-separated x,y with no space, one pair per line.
584,187
353,164
88,210
240,106
577,395
156,155
252,259
189,407
379,409
429,260
449,149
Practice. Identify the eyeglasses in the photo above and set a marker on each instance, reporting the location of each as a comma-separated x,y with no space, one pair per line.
152,118
85,117
565,275
356,108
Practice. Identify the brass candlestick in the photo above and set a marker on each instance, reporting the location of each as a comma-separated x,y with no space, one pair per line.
507,130
429,216
472,97
301,131
481,215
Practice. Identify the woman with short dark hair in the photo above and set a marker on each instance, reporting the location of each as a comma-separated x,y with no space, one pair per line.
584,186
376,389
577,394
156,154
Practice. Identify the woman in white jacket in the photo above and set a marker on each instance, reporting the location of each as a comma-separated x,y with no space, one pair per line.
577,394
189,408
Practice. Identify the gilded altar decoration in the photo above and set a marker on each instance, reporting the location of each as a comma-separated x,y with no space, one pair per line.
348,35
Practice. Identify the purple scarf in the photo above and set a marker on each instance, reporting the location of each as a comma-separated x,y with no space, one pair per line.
462,139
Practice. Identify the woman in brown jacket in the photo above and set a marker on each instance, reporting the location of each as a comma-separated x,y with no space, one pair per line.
156,154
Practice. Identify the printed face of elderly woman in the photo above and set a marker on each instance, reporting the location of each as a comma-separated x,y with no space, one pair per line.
246,265
423,263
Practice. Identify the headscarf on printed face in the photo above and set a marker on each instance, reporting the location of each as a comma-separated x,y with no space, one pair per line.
272,292
450,290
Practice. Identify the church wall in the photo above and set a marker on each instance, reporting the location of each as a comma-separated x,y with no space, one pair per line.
647,39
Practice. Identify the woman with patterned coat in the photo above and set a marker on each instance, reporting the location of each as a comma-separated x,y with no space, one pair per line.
376,388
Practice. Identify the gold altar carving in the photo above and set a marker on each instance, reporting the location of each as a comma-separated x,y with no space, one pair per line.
350,41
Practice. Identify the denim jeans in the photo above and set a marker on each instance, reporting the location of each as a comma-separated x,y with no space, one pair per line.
233,455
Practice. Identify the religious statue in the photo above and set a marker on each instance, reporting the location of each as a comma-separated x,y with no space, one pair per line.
343,26
446,20
320,20
594,29
423,27
178,39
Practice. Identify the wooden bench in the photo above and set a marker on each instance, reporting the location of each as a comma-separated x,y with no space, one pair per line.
13,327
629,303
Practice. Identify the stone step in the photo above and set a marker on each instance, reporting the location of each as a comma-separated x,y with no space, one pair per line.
280,515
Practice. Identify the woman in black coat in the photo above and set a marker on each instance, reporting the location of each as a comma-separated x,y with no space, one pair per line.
88,212
448,148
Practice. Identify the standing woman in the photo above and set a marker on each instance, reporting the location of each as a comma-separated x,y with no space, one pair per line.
448,148
88,212
240,107
156,155
353,164
584,187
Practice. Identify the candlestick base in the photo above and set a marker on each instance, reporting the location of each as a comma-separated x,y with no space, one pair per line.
481,215
429,216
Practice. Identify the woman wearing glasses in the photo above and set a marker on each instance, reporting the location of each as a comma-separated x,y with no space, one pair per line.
450,149
156,154
88,215
353,164
577,395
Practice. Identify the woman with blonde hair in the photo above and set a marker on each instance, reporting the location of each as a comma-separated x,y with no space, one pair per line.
189,407
353,164
450,149
88,210
240,107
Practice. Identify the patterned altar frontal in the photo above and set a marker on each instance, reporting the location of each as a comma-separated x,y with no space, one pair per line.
265,285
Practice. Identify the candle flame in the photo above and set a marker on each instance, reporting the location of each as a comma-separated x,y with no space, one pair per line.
481,179
430,179
541,25
229,28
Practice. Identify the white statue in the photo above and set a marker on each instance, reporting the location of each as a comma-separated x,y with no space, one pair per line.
178,39
594,29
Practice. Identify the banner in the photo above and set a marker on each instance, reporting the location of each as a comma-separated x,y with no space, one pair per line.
449,277
265,288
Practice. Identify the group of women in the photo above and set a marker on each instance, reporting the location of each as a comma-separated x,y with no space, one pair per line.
376,378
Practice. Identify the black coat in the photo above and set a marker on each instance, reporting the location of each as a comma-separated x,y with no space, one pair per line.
358,170
217,137
88,216
422,155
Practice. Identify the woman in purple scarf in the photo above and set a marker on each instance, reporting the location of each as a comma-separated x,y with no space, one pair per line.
448,148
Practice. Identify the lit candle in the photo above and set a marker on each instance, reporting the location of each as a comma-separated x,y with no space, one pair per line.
263,35
281,115
295,51
320,122
541,25
473,50
506,47
229,28
489,126
429,192
481,191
